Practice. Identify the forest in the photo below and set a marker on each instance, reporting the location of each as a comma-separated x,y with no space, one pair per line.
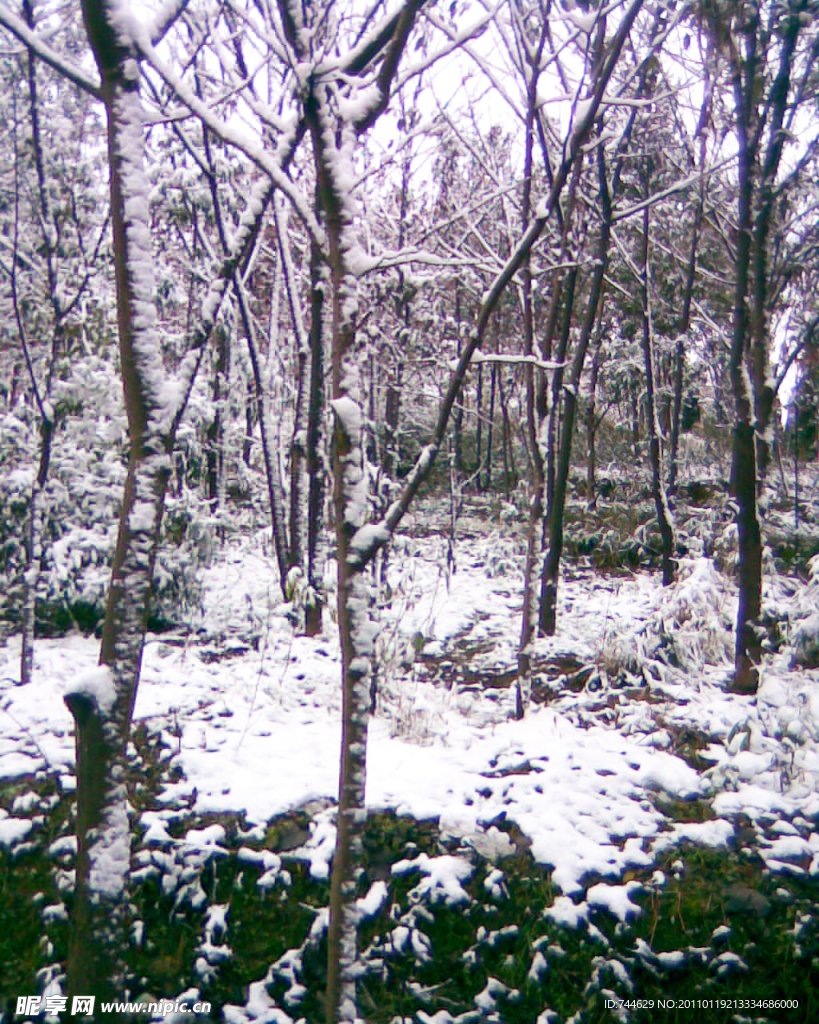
409,511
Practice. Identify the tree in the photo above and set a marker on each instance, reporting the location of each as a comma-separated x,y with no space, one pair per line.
770,51
102,702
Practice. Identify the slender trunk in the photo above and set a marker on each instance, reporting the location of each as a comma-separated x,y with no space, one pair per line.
532,389
34,528
555,410
479,423
458,416
298,445
357,629
744,464
506,437
796,470
315,442
215,432
634,394
591,418
493,381
655,454
33,553
391,412
270,456
682,331
551,564
250,424
297,459
763,384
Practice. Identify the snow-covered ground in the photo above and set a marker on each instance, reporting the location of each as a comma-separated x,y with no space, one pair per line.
258,730
584,776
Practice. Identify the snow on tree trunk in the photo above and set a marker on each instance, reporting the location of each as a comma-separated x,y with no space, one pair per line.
333,143
102,703
744,466
314,461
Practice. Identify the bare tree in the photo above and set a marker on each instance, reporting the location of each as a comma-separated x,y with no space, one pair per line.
771,77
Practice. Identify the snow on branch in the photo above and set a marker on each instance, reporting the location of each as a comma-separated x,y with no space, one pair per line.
365,546
165,19
479,357
55,60
389,66
678,186
254,150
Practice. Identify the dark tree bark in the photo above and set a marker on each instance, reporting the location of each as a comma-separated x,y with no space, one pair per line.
457,419
682,330
744,467
551,565
215,433
275,491
536,394
493,383
33,538
479,425
509,467
655,454
591,421
315,446
753,395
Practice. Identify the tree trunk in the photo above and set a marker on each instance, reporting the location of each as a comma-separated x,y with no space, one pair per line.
655,454
479,424
591,419
357,630
215,432
298,448
744,468
33,553
682,331
275,492
458,416
634,395
493,383
314,461
509,468
532,389
102,703
251,416
551,564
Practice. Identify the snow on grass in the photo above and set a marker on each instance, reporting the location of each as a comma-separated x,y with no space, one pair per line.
12,830
584,779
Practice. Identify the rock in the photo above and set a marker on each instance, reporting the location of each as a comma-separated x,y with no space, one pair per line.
740,899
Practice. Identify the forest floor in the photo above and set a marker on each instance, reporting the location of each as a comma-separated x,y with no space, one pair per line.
642,846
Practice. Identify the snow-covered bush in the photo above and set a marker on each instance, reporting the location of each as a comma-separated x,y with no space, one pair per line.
81,505
696,615
805,621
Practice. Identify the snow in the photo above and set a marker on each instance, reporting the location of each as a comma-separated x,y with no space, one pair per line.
442,878
12,830
582,789
583,783
566,912
615,898
96,684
